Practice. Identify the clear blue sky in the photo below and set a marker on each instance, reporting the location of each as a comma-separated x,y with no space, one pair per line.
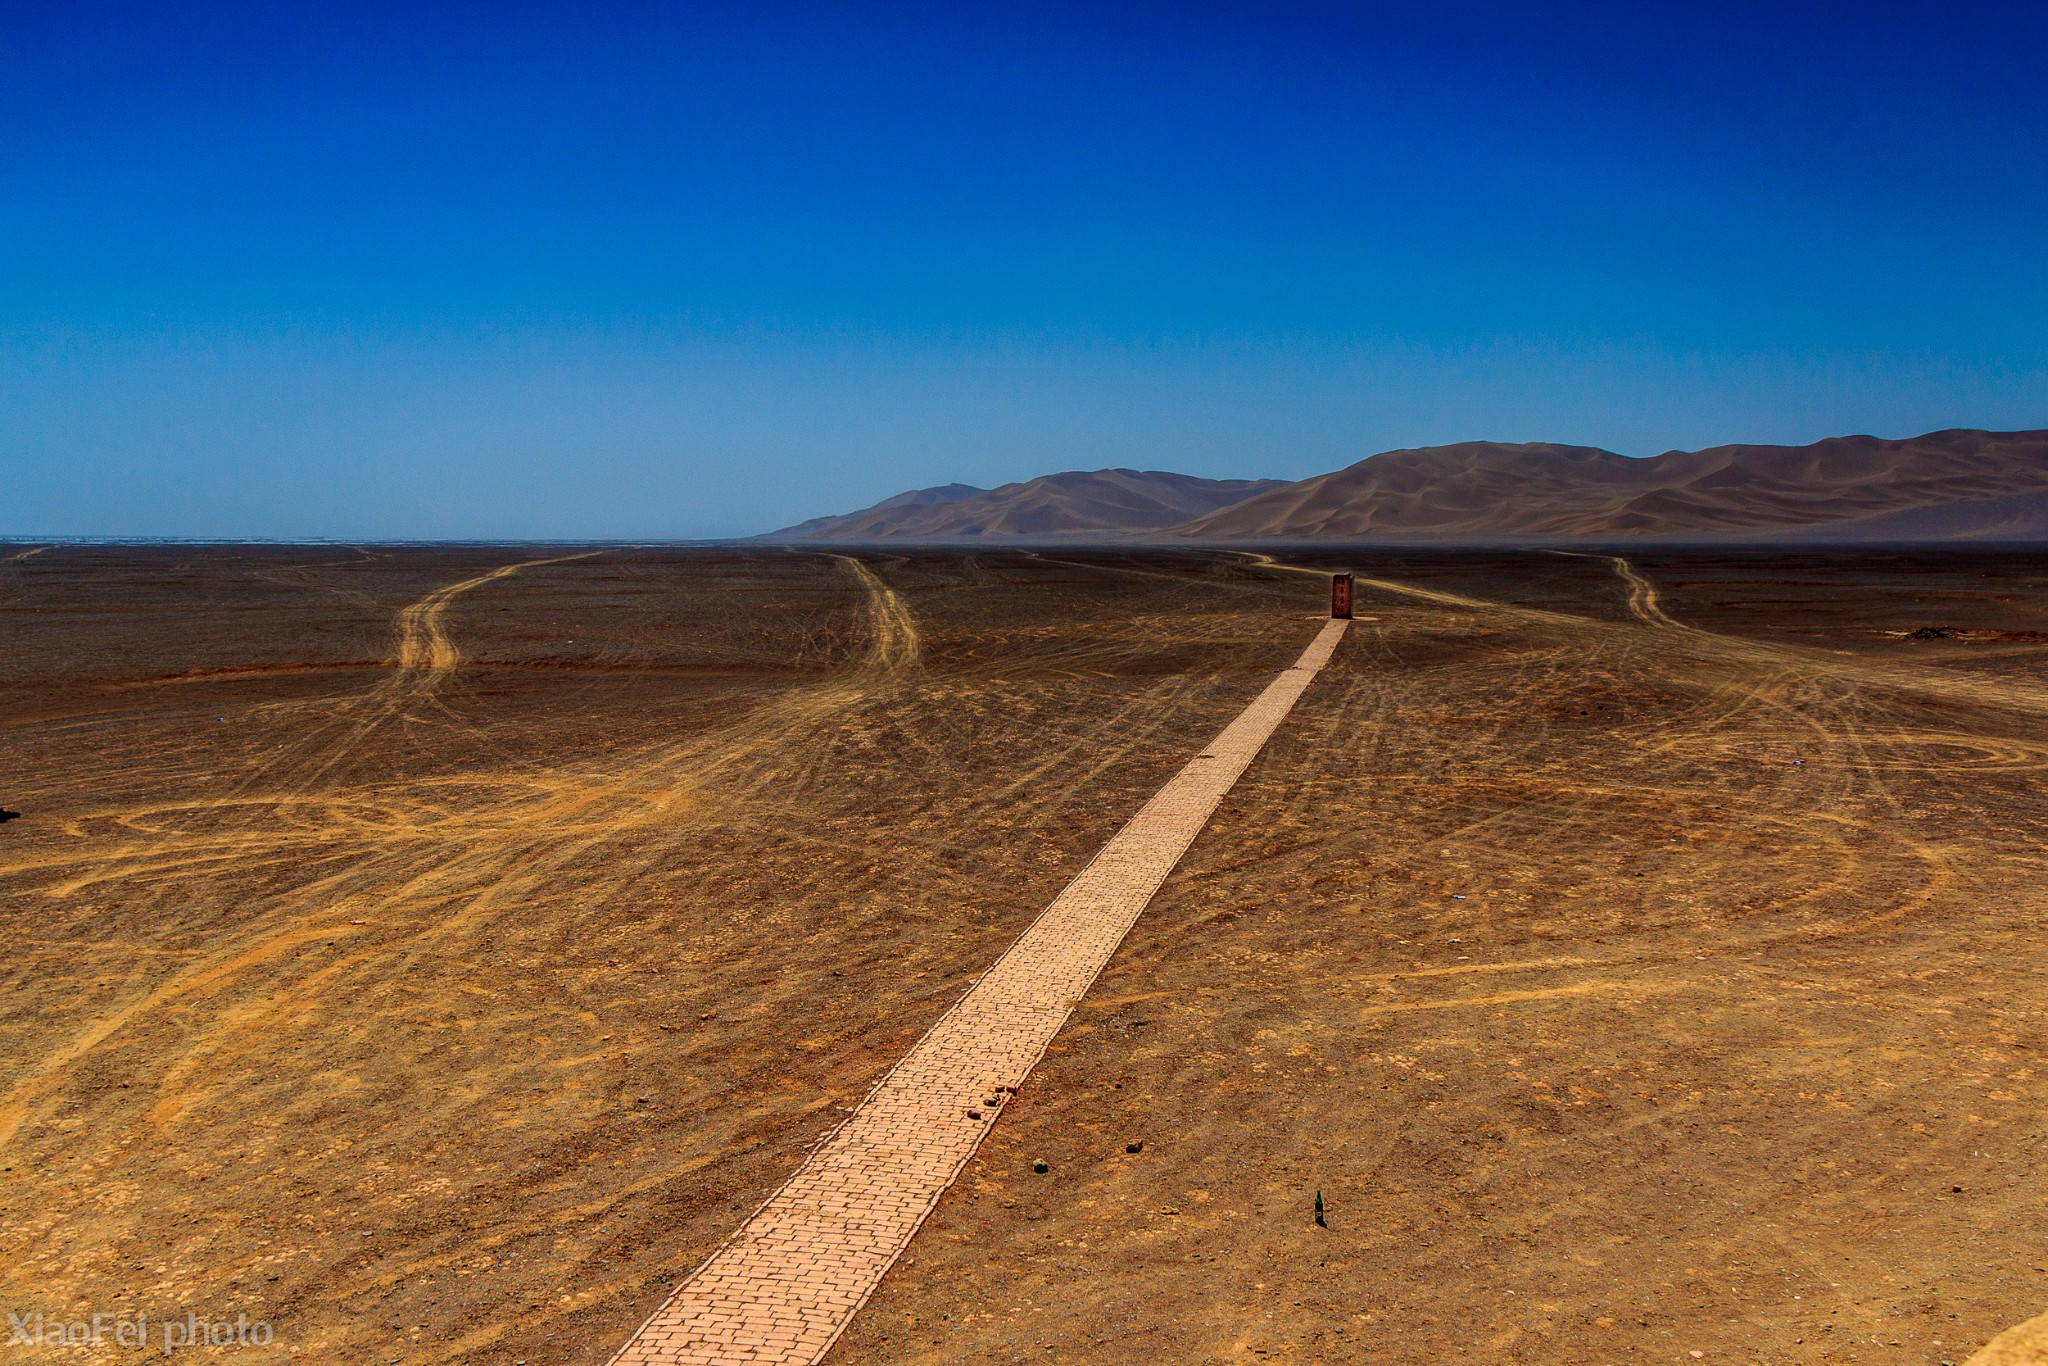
669,271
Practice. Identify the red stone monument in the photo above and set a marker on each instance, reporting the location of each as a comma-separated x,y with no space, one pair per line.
1340,596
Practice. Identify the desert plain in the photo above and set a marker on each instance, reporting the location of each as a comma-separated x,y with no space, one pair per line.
435,952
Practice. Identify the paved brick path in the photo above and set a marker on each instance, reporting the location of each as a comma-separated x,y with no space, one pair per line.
788,1282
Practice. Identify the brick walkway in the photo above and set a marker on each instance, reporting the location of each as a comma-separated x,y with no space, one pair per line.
784,1286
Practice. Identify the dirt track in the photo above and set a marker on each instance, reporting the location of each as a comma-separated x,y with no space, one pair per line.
1624,949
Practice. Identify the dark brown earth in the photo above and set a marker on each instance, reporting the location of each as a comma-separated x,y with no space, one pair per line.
1642,957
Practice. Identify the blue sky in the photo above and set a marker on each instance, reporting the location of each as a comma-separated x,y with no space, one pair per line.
660,271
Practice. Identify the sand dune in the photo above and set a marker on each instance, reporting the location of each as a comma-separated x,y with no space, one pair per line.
1486,489
2011,517
1090,502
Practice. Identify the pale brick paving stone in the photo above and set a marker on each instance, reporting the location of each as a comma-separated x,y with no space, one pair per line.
785,1285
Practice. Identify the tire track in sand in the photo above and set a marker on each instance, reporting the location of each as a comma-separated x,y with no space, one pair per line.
896,646
463,866
1643,599
2006,694
424,659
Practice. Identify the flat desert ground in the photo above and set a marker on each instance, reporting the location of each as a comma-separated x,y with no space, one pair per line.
435,952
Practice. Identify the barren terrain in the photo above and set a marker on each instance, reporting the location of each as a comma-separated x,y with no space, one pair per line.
435,952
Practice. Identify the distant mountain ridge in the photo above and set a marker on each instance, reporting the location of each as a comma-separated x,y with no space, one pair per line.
1955,484
1544,492
916,498
1093,502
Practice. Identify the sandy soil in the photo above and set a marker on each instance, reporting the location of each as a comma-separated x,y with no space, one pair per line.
434,957
1627,991
434,953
